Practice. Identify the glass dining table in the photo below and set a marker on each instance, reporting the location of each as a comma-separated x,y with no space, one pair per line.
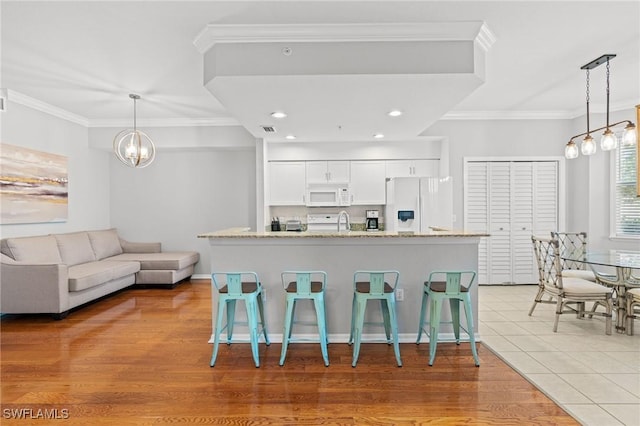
618,269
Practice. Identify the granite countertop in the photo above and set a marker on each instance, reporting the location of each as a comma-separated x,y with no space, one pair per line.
247,233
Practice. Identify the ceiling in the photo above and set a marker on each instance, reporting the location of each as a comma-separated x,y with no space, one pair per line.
337,82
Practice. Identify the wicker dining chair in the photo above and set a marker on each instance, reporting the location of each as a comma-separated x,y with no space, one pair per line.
570,294
576,243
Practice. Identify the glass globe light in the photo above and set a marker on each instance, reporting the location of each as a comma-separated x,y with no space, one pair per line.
629,136
588,146
571,150
609,140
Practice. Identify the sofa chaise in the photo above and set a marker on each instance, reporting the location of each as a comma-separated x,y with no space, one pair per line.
57,272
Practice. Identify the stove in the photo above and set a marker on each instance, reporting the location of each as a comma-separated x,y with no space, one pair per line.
323,222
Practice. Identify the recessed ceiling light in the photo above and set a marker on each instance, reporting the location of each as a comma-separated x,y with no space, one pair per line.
378,136
395,113
278,114
290,137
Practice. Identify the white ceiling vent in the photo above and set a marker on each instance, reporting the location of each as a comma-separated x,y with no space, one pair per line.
269,129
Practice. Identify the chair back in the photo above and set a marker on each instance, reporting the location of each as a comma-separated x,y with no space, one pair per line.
377,280
305,281
233,281
455,282
547,252
574,243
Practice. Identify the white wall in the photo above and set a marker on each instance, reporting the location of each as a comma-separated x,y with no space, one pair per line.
88,169
183,194
497,138
206,185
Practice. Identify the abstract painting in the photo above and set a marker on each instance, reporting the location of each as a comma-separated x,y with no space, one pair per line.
33,186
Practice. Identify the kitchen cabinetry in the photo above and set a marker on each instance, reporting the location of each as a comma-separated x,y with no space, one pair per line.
287,183
327,171
412,168
510,200
368,182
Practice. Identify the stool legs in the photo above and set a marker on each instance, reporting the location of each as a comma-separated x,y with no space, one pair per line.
423,311
262,321
319,305
472,340
394,330
358,324
322,328
388,309
286,329
434,324
255,308
218,330
454,305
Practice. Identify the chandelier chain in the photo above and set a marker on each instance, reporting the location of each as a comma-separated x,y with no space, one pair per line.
587,102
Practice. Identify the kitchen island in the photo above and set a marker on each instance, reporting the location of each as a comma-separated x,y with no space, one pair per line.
339,254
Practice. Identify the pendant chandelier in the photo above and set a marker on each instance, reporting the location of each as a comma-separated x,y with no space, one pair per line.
609,139
133,147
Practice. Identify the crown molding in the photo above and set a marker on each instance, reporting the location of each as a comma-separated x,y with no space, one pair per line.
38,105
506,115
169,122
41,106
407,31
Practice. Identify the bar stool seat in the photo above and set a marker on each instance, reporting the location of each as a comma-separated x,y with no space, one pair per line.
373,285
231,287
456,288
307,285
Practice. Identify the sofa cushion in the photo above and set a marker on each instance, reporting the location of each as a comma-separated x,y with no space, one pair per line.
91,274
161,261
105,243
41,249
75,248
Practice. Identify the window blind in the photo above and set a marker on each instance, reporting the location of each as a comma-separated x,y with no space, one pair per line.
627,204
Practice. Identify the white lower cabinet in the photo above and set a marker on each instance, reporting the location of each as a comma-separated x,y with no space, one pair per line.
368,182
287,185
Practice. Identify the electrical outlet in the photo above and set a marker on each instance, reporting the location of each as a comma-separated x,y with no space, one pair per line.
264,294
399,294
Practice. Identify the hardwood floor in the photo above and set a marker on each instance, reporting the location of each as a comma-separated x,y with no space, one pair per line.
141,357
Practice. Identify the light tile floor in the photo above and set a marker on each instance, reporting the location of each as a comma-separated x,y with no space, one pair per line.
594,377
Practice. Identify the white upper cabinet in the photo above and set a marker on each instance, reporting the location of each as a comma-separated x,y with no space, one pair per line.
287,183
327,171
368,182
412,168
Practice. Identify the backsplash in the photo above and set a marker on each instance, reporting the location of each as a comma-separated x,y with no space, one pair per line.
357,215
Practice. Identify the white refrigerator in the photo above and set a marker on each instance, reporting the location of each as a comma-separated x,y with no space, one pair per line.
418,204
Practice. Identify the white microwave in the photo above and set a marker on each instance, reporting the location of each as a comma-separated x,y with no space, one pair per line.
327,195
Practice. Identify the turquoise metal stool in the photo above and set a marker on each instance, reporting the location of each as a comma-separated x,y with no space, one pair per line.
373,285
456,288
234,286
308,285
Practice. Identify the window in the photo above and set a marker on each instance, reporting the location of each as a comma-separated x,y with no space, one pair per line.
627,204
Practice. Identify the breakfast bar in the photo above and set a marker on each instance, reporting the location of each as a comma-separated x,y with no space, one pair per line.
340,254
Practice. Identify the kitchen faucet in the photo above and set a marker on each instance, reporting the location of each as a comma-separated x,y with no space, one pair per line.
346,215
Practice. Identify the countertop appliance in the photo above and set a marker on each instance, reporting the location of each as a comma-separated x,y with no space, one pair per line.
371,220
293,225
418,204
324,222
328,195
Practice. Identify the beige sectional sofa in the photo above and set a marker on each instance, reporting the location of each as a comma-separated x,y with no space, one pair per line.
55,273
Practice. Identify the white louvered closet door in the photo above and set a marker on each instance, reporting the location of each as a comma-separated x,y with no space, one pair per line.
522,213
500,217
477,210
511,200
